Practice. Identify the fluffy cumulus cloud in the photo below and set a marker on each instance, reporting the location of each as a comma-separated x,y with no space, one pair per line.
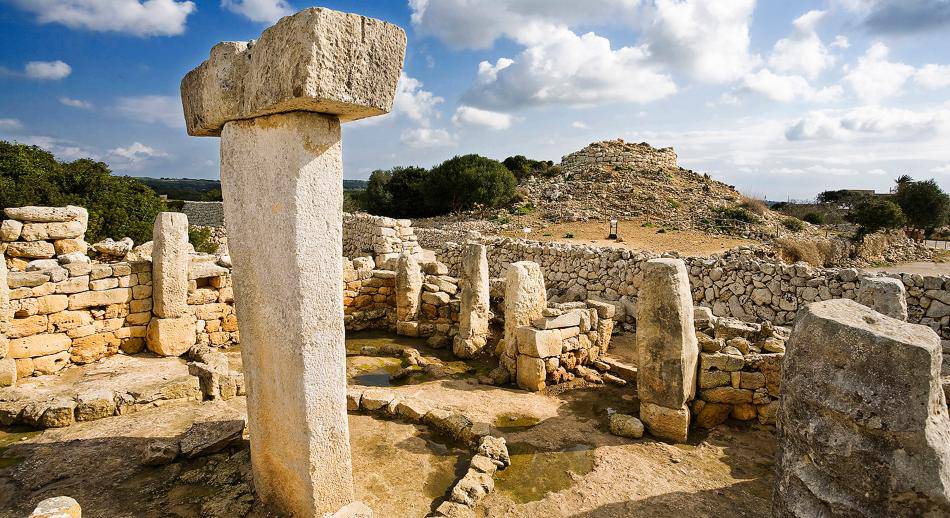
803,52
47,70
707,38
869,122
137,152
152,109
933,77
265,11
148,18
875,78
10,124
900,16
787,88
75,103
421,138
470,116
414,102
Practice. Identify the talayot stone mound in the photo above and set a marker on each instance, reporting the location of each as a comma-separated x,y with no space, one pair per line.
617,179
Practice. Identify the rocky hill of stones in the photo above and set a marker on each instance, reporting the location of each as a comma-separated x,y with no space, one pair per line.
619,180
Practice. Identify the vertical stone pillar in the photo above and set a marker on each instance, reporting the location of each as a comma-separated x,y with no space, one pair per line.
862,423
667,348
475,304
408,295
885,295
278,108
7,365
173,331
525,300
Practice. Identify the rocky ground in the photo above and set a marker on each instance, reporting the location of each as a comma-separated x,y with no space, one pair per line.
565,463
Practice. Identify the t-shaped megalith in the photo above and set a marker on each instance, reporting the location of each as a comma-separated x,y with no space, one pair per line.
277,104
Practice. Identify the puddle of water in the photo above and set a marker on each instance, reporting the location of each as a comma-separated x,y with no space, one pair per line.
10,435
534,472
356,340
514,422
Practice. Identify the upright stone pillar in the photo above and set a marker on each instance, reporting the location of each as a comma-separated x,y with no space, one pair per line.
667,349
475,304
862,421
7,365
280,104
173,330
885,295
525,300
408,294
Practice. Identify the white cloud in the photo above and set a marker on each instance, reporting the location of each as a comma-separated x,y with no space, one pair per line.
579,125
841,42
707,38
869,121
153,109
943,169
787,88
137,152
933,77
268,11
10,124
803,52
76,103
560,67
148,18
875,78
415,103
426,138
470,116
62,149
47,70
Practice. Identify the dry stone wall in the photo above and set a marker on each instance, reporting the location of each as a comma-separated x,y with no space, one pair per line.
746,283
381,238
204,213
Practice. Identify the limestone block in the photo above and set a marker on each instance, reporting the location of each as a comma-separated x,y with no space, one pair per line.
171,336
33,214
49,364
170,263
571,318
38,345
57,507
474,302
671,424
666,340
408,288
525,299
52,231
93,347
70,246
862,423
10,230
539,343
317,60
531,373
884,295
29,326
95,404
88,299
8,372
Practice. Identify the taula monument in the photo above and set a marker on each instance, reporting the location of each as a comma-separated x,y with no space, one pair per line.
277,104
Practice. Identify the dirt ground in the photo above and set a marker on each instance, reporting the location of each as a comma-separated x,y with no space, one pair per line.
565,462
634,235
922,268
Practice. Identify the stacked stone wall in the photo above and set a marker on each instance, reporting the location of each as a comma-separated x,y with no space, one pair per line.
379,237
204,213
746,283
619,155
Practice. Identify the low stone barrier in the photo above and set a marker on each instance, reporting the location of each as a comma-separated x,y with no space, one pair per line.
378,237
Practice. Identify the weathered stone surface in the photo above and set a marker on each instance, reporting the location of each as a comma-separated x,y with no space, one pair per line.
671,424
57,507
8,372
52,231
531,373
525,299
884,295
88,299
666,340
713,415
408,288
170,262
38,345
495,448
34,214
159,452
863,428
31,250
171,336
624,425
207,437
317,60
10,230
95,404
472,488
474,308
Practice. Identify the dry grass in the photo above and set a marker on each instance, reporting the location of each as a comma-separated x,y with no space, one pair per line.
754,205
814,252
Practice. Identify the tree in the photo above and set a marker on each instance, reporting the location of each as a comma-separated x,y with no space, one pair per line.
924,204
464,181
118,206
406,194
377,199
876,214
523,167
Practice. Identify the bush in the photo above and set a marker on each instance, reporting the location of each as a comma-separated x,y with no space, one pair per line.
200,238
738,213
795,250
118,206
754,205
523,167
461,182
376,199
876,214
924,204
793,224
815,218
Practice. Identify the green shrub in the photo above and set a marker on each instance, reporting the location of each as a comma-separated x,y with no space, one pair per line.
876,214
462,182
525,209
815,218
793,224
523,167
737,213
200,238
118,206
569,235
924,204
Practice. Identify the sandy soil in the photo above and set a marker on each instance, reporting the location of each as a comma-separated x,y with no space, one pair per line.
635,236
922,268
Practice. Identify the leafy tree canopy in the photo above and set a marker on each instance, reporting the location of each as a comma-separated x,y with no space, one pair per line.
924,204
876,214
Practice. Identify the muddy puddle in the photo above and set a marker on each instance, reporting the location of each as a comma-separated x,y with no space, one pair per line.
535,472
10,435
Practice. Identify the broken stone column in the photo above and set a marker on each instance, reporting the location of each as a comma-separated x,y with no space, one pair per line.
277,104
408,295
525,300
173,330
7,365
474,308
885,295
667,349
863,428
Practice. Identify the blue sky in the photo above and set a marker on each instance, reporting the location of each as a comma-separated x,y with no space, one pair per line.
781,99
